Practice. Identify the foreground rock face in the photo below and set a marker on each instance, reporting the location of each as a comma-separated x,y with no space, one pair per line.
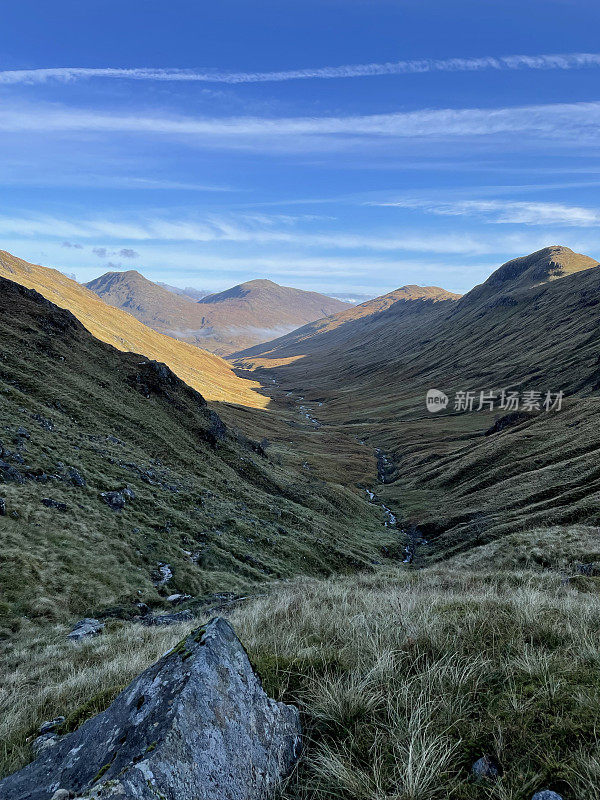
197,724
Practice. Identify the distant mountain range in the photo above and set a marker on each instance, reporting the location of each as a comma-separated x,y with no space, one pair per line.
245,315
337,333
188,291
137,494
351,384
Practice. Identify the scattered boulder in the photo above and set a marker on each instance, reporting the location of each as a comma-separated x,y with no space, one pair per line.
115,500
178,599
51,725
166,619
74,476
49,503
2,507
197,724
46,424
9,473
22,433
546,794
84,628
38,475
62,794
485,769
44,743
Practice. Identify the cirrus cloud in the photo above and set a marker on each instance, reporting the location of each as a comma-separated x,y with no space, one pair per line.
552,61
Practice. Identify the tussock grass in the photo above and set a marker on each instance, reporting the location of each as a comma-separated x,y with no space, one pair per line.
403,678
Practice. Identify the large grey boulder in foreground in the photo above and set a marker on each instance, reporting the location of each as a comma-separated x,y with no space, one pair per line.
196,725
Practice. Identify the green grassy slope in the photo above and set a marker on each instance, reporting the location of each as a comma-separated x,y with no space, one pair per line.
403,679
208,501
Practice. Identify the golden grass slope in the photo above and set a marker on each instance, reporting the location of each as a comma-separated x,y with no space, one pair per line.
207,373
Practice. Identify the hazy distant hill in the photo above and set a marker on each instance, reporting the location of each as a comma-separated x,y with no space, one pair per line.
188,291
240,317
370,322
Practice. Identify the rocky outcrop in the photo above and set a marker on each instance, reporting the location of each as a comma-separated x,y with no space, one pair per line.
85,628
197,724
117,500
166,619
50,503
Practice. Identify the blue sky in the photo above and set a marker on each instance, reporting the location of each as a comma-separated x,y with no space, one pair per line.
347,146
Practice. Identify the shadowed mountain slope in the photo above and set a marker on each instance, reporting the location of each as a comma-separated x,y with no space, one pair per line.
80,418
534,325
528,272
203,371
244,315
142,298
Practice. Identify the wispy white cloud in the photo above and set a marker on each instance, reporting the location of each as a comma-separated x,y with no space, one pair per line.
283,246
554,121
362,272
508,211
560,61
249,231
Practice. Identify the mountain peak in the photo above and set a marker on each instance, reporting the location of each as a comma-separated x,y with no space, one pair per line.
242,316
241,290
265,292
258,283
117,278
549,264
